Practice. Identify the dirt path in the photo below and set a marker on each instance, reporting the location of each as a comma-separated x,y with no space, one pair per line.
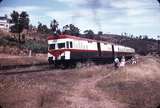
85,94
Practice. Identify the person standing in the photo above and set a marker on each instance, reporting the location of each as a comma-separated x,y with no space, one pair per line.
123,62
133,60
116,62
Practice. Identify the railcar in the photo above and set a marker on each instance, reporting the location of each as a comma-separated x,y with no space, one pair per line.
68,50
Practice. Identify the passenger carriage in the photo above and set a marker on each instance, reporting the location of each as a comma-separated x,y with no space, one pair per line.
68,50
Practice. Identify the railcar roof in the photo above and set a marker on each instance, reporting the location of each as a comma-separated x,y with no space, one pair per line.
52,37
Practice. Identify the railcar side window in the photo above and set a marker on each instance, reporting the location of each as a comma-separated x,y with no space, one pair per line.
71,45
61,45
52,46
1,24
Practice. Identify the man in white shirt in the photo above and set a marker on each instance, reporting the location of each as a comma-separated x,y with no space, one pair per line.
116,62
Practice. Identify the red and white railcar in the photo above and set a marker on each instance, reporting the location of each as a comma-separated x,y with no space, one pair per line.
64,49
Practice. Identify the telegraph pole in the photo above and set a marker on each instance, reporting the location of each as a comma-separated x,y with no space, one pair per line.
19,35
158,44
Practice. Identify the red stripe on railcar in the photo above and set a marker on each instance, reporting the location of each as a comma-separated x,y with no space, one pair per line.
73,50
79,50
71,37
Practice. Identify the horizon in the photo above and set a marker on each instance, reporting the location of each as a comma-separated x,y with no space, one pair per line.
110,16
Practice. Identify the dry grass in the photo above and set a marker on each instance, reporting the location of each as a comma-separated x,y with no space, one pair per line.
135,86
35,90
138,85
91,95
8,60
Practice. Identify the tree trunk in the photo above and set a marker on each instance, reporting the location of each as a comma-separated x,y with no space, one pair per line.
19,37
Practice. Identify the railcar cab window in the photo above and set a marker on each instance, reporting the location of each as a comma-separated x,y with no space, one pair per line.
61,45
52,46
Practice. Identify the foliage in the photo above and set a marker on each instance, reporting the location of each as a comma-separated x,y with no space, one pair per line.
54,26
71,30
89,34
24,20
36,46
142,46
43,28
20,22
4,41
100,33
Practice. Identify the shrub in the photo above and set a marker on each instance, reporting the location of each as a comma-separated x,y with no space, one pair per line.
35,46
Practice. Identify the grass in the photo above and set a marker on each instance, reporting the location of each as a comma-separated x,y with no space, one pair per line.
34,90
136,86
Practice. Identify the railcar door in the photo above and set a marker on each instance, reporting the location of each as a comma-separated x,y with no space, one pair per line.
99,49
113,52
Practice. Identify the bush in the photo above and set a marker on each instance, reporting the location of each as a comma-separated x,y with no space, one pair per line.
10,41
35,46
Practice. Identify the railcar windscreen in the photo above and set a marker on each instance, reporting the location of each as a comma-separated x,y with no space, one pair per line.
61,45
52,46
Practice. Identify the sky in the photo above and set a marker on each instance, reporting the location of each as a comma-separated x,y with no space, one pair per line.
138,17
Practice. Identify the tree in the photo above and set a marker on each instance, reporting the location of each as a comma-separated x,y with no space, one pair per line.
39,27
89,34
98,37
32,28
20,21
140,37
54,26
125,34
74,30
100,33
24,20
145,37
43,28
15,20
66,30
71,30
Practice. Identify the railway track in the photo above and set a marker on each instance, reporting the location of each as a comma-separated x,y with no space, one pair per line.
7,67
21,69
24,69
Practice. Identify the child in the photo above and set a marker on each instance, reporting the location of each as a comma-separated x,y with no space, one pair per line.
123,62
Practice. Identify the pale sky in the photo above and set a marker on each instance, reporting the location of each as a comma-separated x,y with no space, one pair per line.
110,16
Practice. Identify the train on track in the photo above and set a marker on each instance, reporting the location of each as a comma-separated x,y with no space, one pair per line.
68,50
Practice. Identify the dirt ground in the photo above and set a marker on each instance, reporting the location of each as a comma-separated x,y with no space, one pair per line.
135,86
